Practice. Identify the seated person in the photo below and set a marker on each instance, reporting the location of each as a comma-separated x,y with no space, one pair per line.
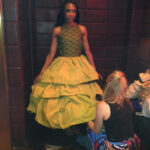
134,89
116,114
144,95
142,121
140,89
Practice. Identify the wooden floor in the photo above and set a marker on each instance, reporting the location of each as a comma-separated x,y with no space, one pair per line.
22,148
49,148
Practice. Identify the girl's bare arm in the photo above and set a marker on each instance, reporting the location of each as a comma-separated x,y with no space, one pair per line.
52,53
87,48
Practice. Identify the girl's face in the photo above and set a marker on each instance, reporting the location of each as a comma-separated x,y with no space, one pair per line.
70,12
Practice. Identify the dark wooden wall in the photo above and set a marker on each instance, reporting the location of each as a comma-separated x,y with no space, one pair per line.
138,57
138,47
17,52
5,140
115,31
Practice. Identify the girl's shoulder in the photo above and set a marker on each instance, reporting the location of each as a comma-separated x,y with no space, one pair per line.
82,27
102,104
56,30
104,109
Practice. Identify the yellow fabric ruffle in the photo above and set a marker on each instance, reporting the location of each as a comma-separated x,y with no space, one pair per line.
48,90
69,70
66,93
65,111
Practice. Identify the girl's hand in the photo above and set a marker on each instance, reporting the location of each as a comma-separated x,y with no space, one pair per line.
37,78
146,84
100,76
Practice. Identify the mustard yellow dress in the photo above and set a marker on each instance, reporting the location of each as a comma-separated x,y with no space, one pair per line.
66,93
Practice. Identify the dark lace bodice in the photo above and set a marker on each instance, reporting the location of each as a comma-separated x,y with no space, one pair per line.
70,41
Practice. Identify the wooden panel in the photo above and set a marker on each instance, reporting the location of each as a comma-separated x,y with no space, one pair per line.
15,77
131,54
118,4
108,63
117,16
107,52
138,5
24,32
97,28
82,15
10,10
12,33
16,96
81,3
43,39
47,3
46,14
42,52
5,141
97,40
115,41
147,7
136,29
44,27
147,30
134,41
97,4
147,17
137,16
96,16
116,28
138,58
13,56
143,52
17,115
18,134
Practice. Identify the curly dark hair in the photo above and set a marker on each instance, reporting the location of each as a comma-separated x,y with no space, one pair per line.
61,14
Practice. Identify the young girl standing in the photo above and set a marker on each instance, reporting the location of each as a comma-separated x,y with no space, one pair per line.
64,93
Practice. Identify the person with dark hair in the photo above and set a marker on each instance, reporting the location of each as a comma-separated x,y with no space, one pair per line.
61,15
114,113
64,93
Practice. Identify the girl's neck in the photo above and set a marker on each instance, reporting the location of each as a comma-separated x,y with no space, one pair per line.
70,24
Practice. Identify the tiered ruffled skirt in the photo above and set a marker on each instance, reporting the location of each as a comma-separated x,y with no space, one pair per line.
66,93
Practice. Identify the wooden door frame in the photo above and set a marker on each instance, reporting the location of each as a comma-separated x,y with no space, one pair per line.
5,140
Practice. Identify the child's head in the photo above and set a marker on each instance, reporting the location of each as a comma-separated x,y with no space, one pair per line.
63,15
116,85
145,76
148,70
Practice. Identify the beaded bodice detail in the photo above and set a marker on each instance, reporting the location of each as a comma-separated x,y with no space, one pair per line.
70,41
